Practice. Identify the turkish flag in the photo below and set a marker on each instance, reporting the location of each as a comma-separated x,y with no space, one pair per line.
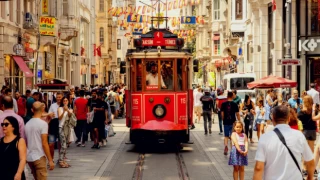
99,51
274,5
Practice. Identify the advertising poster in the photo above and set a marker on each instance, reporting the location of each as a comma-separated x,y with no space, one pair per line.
47,26
212,79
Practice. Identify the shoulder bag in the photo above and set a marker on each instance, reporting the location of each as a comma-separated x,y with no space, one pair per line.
279,134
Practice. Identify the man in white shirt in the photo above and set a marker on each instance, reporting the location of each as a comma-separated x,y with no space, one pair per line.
273,160
152,77
314,94
198,104
53,133
37,139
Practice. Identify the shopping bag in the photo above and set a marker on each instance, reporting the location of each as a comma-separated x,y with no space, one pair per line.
73,136
255,125
111,131
90,117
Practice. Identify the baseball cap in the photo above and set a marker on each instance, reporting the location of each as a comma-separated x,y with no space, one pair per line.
33,91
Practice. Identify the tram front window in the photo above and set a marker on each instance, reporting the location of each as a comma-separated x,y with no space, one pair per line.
167,74
152,78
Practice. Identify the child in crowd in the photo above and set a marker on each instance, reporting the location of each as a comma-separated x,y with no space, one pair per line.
238,156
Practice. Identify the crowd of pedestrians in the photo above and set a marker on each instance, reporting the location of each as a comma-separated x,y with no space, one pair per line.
286,129
33,125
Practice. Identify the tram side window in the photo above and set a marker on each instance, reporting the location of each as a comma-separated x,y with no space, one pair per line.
167,74
139,74
179,74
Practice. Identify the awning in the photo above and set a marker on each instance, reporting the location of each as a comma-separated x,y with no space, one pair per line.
23,67
216,38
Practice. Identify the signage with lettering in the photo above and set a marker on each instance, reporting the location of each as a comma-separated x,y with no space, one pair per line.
158,40
308,44
289,62
182,102
45,8
47,26
152,87
136,109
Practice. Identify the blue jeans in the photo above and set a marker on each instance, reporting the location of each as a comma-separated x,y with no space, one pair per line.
220,121
207,117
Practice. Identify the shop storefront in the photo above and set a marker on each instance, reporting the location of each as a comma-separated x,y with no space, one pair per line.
308,21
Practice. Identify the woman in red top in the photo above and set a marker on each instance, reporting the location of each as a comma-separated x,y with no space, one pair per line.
293,122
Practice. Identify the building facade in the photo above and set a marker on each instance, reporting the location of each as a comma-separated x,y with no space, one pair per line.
18,43
308,37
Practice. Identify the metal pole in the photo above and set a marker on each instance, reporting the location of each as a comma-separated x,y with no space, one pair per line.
288,54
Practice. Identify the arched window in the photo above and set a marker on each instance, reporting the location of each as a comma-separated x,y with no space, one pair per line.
101,35
101,6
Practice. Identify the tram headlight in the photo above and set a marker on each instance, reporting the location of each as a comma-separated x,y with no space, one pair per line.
159,111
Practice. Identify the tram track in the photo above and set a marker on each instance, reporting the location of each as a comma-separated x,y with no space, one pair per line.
138,171
181,166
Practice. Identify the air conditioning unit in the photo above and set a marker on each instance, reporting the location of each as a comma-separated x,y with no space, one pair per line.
30,21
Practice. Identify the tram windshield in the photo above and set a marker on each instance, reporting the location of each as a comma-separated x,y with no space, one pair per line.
154,78
155,75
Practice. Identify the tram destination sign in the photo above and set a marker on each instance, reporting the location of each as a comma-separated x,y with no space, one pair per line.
158,42
296,62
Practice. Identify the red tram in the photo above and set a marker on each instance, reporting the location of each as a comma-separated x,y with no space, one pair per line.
159,97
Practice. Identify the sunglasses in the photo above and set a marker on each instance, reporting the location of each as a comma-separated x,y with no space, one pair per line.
5,124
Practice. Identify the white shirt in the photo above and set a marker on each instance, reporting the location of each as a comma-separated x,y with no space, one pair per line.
54,108
33,130
153,80
15,105
279,165
197,97
315,95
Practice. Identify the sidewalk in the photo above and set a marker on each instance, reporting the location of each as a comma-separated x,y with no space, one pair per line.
87,163
213,146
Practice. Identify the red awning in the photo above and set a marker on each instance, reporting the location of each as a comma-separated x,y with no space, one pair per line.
23,67
216,38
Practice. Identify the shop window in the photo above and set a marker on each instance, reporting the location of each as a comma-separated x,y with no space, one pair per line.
118,44
216,10
239,9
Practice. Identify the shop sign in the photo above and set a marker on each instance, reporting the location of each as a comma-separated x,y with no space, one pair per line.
308,44
289,62
47,26
45,8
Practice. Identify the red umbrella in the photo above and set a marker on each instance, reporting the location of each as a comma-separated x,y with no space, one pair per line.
272,82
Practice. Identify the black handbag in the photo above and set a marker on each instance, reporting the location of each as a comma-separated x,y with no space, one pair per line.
279,134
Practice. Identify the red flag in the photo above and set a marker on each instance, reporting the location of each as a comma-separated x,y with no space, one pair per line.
99,51
274,5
